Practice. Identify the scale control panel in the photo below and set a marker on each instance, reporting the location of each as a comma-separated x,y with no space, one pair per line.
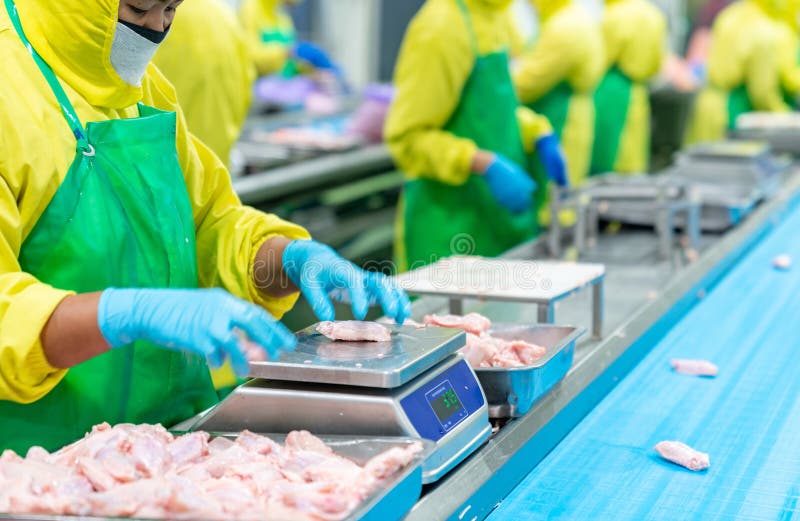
444,402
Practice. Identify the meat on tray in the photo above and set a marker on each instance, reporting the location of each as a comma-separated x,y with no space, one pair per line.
694,367
471,323
782,262
484,350
683,455
355,331
146,472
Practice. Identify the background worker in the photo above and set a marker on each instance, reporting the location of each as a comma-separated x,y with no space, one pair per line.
634,33
456,129
557,76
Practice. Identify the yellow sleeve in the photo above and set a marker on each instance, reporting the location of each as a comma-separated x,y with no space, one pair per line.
545,65
517,42
229,234
435,61
532,127
25,307
762,79
269,58
788,51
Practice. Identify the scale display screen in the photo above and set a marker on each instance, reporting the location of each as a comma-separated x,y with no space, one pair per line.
446,405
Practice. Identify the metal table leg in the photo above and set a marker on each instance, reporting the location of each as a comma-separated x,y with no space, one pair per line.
456,306
546,313
597,310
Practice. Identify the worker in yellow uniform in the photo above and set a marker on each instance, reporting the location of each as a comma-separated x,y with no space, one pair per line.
273,39
789,25
212,72
456,129
634,32
557,77
744,68
112,216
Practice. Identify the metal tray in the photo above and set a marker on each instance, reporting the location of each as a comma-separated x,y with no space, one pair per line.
391,502
512,391
614,187
386,365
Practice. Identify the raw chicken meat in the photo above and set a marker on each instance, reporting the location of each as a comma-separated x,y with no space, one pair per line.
355,331
694,367
471,322
146,472
683,455
484,350
782,262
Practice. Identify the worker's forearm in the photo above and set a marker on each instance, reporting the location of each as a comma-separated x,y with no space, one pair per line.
268,273
72,335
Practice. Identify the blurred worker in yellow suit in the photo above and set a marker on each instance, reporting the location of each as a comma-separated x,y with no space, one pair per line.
458,132
212,72
748,67
557,77
634,32
273,39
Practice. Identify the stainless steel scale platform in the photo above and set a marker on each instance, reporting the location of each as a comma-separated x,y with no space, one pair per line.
780,130
415,385
543,283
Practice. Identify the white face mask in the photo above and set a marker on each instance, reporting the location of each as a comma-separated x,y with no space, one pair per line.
131,53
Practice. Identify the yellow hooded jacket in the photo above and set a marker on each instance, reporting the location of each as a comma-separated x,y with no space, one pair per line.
74,37
211,70
436,60
634,33
747,49
258,17
569,49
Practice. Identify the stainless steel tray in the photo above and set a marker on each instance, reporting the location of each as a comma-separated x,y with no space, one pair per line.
391,502
386,365
512,391
781,140
614,187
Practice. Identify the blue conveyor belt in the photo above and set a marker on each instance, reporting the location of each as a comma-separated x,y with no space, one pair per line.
747,419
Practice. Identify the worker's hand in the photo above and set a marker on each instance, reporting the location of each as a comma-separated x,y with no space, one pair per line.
201,321
510,185
552,157
313,54
321,274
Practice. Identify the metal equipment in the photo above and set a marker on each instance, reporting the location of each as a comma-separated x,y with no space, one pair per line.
543,283
645,200
414,386
781,130
730,178
512,391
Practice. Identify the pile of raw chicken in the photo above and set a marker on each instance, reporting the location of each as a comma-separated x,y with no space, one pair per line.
485,350
144,471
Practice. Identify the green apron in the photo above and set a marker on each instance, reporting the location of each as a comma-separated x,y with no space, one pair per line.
122,217
441,219
612,100
738,103
288,38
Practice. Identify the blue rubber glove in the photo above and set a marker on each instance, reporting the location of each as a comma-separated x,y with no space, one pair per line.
510,185
201,321
552,157
322,275
314,55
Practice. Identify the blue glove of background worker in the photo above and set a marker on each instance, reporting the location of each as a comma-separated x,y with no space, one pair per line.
314,55
200,321
510,185
549,150
321,273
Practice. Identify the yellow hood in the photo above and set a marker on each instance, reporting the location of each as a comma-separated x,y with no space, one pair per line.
74,37
547,8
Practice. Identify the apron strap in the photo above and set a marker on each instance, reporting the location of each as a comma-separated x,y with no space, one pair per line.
462,6
55,86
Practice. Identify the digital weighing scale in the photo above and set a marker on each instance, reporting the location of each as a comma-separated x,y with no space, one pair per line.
415,385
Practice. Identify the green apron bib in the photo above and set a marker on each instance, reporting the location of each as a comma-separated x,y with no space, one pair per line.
441,219
555,106
288,38
612,100
738,103
122,217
